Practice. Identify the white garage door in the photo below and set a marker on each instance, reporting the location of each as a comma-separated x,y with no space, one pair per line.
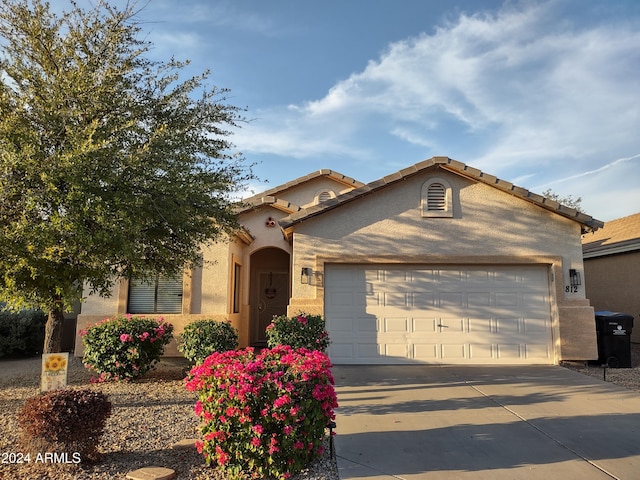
391,314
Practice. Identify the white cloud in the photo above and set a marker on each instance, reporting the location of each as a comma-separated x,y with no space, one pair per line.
534,89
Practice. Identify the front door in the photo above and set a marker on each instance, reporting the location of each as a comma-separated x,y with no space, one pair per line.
271,300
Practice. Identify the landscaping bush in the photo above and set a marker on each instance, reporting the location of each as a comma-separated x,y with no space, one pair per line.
67,422
263,414
301,331
204,337
125,347
21,333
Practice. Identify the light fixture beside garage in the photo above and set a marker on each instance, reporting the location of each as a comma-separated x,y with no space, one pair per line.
574,277
310,277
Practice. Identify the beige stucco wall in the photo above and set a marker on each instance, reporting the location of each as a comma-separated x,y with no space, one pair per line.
488,226
208,290
303,195
612,284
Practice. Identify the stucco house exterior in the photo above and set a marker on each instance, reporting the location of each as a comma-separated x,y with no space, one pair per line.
436,263
612,268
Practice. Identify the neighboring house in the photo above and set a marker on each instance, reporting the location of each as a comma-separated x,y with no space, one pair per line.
436,263
612,268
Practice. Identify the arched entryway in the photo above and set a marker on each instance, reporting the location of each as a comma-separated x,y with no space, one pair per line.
269,291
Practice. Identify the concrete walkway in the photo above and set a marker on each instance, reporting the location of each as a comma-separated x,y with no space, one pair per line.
451,422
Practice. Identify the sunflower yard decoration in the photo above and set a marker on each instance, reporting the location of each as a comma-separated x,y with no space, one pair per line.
54,371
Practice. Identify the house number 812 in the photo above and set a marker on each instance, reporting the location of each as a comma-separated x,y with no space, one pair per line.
571,289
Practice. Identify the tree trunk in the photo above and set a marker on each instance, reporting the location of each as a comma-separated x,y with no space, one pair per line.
53,331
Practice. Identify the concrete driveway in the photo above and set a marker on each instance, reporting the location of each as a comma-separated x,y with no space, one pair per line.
452,422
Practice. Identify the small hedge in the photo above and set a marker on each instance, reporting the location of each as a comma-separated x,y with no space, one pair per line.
125,347
263,414
21,333
301,331
64,421
204,337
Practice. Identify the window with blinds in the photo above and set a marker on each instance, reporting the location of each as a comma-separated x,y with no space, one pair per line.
159,295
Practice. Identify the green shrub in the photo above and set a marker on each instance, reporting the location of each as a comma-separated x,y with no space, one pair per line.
204,337
64,421
21,333
263,415
301,331
125,347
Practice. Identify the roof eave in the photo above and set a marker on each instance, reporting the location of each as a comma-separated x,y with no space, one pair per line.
588,223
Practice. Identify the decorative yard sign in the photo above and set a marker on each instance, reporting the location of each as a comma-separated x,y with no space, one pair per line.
54,371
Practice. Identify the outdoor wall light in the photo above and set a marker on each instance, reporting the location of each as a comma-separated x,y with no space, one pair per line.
309,277
574,277
305,275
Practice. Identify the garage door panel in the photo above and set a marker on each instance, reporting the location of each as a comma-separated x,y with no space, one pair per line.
478,299
395,350
452,352
373,299
368,324
341,325
396,300
449,300
509,351
535,327
396,324
423,325
536,350
465,314
423,300
368,350
341,352
481,351
484,326
507,299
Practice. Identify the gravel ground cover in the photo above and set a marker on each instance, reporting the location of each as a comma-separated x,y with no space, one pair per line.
625,377
152,414
149,416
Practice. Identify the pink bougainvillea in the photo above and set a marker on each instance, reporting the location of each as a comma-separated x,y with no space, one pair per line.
264,414
125,347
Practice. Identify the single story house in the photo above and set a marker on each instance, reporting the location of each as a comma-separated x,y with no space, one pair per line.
612,268
436,263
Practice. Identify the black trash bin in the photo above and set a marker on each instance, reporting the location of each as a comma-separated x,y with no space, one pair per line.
614,339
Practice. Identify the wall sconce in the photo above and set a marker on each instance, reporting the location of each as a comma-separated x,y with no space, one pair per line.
309,277
574,277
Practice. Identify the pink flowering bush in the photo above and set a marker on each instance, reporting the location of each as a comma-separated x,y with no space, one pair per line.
125,347
263,414
301,331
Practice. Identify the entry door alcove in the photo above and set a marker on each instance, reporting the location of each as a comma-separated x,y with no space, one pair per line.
269,290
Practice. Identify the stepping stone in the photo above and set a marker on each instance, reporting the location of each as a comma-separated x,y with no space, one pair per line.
152,473
185,444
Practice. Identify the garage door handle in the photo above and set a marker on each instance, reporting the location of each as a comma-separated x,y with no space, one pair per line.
443,326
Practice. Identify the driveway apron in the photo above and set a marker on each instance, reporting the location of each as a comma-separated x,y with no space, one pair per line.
476,422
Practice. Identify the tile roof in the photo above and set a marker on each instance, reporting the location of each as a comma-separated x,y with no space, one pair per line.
617,236
588,223
271,196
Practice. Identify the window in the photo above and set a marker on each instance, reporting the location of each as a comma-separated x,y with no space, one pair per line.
159,295
436,198
237,275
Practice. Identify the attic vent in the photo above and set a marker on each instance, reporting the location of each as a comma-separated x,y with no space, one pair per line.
436,198
323,196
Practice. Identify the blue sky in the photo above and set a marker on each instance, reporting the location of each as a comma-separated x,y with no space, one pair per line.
545,94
